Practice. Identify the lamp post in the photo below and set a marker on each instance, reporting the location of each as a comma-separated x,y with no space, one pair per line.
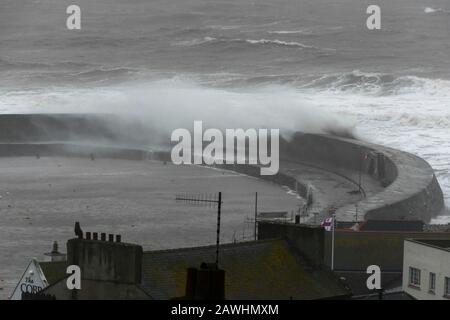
360,171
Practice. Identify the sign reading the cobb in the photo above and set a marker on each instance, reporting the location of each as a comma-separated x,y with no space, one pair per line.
32,281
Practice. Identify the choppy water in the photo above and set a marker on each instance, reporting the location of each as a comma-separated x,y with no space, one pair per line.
294,64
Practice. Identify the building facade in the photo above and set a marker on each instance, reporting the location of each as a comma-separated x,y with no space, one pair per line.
426,269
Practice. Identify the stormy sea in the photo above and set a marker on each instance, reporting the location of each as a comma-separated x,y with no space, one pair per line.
290,64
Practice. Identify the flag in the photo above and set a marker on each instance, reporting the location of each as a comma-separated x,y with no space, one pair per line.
327,224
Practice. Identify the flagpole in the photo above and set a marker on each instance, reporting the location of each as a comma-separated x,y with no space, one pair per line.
360,172
332,242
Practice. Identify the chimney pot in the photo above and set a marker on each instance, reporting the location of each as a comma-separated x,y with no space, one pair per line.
55,247
191,282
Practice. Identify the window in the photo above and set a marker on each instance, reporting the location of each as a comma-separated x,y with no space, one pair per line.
432,283
414,277
447,287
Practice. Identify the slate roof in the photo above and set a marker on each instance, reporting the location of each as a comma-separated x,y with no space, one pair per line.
97,289
392,225
269,269
399,295
54,271
356,281
442,244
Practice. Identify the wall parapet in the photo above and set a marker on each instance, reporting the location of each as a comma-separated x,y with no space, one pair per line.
410,188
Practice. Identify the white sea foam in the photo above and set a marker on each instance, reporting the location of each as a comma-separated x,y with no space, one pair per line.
414,117
430,10
177,102
226,27
435,10
273,42
280,43
312,30
195,42
302,31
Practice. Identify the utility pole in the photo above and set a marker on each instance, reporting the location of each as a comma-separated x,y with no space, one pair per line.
219,206
360,171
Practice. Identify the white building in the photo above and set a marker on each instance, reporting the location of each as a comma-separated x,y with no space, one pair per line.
426,269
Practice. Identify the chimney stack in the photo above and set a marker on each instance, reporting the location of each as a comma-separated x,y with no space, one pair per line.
106,260
205,283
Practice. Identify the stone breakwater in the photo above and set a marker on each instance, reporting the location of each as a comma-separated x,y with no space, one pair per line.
410,190
407,188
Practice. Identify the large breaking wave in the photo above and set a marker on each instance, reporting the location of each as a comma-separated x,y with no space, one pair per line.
411,113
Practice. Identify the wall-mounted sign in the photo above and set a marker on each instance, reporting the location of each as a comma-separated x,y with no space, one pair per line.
33,281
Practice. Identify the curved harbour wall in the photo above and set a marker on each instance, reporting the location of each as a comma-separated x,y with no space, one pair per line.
409,189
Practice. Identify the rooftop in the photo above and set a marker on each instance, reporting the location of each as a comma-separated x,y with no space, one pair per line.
441,244
269,269
356,281
392,225
54,271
